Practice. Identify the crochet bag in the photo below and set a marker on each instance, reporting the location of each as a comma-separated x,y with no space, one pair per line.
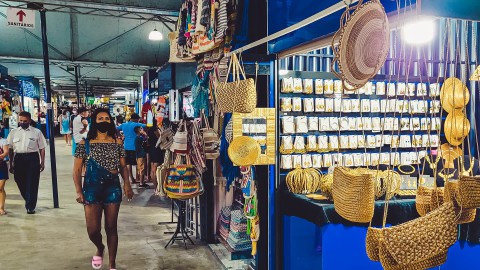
240,95
211,141
180,140
353,195
182,182
469,191
428,199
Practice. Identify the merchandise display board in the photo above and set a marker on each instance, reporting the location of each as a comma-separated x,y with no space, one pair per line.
389,123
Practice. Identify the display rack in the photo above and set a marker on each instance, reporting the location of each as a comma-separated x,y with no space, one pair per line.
427,122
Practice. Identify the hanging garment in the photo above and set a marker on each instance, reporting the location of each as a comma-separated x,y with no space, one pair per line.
200,94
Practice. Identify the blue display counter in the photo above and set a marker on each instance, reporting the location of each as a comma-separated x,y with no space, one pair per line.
339,247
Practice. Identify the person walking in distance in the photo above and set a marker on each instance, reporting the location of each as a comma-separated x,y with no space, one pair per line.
129,141
64,121
27,159
101,192
3,174
80,127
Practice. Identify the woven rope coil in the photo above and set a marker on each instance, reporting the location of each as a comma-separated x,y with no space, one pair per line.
422,238
353,195
452,194
363,38
469,191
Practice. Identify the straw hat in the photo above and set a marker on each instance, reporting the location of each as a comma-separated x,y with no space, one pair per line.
454,94
244,151
456,127
363,43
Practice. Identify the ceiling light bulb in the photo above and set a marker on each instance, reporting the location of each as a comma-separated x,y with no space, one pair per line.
155,35
419,32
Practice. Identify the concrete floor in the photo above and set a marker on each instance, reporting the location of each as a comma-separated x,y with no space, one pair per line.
57,238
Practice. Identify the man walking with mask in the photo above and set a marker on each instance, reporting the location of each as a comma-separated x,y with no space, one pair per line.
129,142
27,159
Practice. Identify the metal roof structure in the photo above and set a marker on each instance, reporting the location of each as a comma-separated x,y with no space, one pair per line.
106,39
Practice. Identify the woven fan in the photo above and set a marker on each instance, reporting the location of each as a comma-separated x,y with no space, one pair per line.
363,42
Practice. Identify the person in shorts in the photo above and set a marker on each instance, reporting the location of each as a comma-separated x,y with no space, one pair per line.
129,141
3,174
141,156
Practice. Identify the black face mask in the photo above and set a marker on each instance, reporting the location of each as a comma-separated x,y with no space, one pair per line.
103,126
24,125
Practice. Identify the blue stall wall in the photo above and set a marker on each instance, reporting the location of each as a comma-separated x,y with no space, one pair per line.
284,13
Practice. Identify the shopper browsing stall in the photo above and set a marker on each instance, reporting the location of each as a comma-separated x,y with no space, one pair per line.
27,159
101,192
3,174
129,141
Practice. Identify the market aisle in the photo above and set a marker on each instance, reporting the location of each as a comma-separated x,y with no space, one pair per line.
56,238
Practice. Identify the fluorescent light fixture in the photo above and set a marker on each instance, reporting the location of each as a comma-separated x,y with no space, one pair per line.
419,32
155,35
282,72
120,94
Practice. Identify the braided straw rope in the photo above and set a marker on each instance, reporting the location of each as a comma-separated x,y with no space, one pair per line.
353,195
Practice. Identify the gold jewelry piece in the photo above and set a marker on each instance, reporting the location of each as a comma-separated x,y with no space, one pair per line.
447,176
433,165
402,171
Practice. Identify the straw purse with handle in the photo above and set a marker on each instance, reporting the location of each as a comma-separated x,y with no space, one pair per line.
240,95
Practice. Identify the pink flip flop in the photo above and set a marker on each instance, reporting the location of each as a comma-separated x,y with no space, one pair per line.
97,262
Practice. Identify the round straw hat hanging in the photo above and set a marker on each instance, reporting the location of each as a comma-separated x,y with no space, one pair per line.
363,42
454,94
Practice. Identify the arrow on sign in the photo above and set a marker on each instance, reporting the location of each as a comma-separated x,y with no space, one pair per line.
20,15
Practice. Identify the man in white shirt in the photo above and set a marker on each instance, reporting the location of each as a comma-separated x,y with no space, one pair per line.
79,127
27,159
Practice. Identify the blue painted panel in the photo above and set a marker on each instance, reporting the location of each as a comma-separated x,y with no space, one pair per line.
339,247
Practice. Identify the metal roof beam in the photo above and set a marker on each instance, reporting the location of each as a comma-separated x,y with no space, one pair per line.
108,7
13,59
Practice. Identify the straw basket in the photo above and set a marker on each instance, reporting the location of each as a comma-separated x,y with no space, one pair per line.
452,195
244,151
469,191
421,238
353,195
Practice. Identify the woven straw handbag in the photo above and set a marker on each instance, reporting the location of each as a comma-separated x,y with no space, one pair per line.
452,194
421,238
428,199
240,95
178,54
469,191
353,195
389,263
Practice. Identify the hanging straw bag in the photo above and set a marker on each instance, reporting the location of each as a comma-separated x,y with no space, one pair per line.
180,140
422,238
353,195
240,95
211,142
469,191
428,199
178,53
162,173
182,182
452,194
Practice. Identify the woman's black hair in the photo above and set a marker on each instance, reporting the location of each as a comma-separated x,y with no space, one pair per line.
92,133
